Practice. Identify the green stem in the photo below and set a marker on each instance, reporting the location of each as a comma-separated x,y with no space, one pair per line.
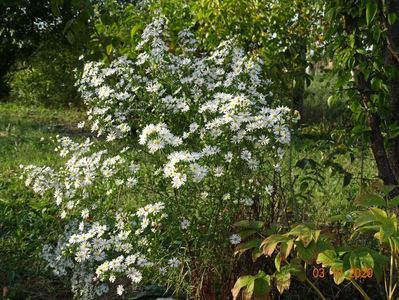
316,289
359,288
391,287
390,278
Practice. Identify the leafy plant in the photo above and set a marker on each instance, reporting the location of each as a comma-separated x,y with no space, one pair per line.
303,246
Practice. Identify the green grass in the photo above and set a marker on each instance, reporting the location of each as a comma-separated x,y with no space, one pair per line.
25,133
27,221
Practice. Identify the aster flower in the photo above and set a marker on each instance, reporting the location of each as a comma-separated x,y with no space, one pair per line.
235,239
185,224
120,290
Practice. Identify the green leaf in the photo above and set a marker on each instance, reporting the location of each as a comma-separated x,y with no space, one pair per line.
387,230
336,218
277,262
376,219
306,163
376,84
305,234
133,31
367,199
338,273
55,7
249,290
380,262
395,240
285,249
330,259
386,189
393,202
392,17
244,233
371,10
246,224
269,244
361,259
306,253
262,286
283,280
241,282
109,49
255,243
331,101
297,270
351,40
326,258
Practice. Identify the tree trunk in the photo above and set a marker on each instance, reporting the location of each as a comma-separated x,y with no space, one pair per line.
377,144
385,171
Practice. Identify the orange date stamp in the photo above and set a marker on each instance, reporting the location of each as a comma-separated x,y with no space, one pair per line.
354,273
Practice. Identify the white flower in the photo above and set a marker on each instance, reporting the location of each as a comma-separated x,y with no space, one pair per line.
269,189
178,180
173,262
111,137
134,275
131,182
120,290
228,157
85,213
133,167
218,172
247,201
193,127
81,124
235,239
264,140
226,197
112,278
81,226
185,224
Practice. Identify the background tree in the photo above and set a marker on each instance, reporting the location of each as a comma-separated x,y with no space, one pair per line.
362,42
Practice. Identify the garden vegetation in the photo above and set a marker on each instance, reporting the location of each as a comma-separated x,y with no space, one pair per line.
199,149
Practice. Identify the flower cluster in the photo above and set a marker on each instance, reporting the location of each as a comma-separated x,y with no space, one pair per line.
104,254
209,131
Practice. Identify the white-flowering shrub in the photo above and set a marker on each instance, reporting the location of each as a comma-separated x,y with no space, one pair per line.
194,139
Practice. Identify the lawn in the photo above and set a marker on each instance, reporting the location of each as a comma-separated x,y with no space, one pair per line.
26,135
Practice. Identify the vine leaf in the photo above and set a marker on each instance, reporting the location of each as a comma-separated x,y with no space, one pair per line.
371,10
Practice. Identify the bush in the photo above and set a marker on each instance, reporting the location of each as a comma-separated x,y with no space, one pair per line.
210,150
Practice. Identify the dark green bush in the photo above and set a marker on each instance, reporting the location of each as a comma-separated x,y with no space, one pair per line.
46,77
